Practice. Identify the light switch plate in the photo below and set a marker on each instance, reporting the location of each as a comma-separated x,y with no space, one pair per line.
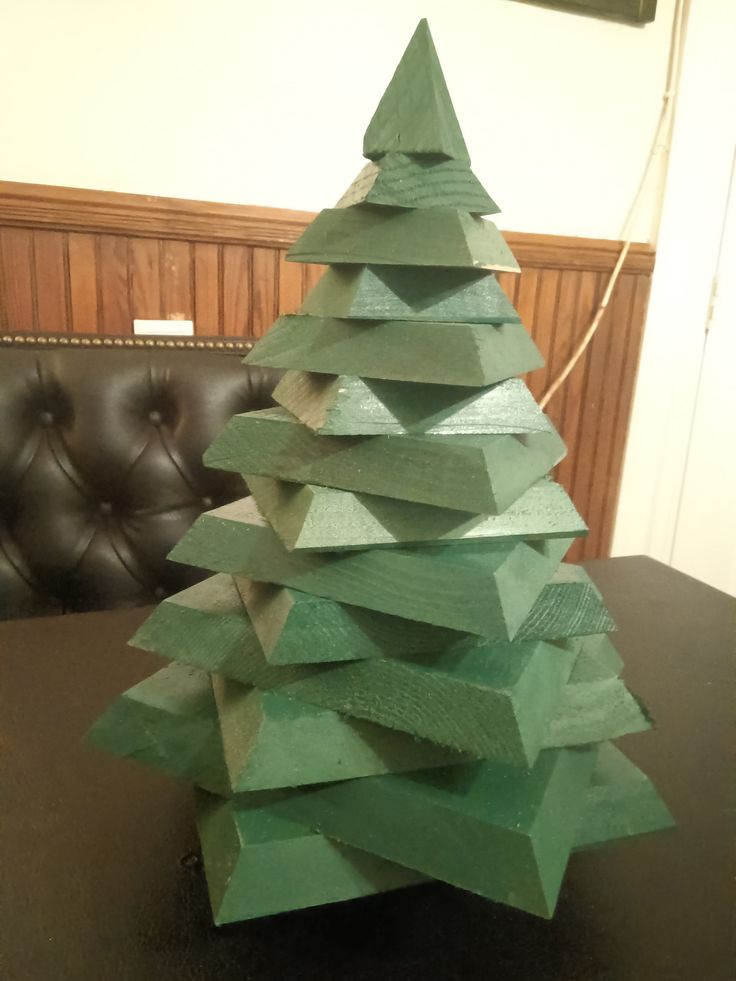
167,328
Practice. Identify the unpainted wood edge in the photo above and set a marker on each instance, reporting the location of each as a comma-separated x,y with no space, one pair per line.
112,212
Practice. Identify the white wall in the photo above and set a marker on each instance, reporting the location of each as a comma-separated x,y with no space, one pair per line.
668,408
266,103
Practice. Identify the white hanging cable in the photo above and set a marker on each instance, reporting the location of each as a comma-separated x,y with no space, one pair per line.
660,143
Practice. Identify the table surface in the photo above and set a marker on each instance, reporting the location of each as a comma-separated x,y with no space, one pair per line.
101,877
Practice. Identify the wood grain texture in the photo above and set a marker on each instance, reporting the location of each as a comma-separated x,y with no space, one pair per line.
490,702
18,279
168,721
483,473
314,518
259,863
113,284
485,589
146,279
112,273
51,264
395,350
176,286
436,237
347,405
400,181
486,827
294,627
78,209
82,288
273,740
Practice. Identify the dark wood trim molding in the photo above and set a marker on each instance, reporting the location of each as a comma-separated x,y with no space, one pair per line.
77,210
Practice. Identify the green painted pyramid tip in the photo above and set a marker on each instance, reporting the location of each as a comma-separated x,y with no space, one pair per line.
415,114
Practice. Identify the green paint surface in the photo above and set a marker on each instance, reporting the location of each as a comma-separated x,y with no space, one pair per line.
308,517
436,237
481,472
473,355
500,831
258,863
484,588
409,293
400,181
415,114
169,722
346,405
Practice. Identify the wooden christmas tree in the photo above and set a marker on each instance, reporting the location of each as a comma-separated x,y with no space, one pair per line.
390,676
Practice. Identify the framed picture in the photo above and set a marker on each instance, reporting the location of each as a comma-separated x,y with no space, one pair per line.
639,11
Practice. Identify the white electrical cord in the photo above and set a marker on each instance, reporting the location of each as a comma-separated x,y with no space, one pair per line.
661,141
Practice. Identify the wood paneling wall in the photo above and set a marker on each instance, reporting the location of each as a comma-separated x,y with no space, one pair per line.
77,261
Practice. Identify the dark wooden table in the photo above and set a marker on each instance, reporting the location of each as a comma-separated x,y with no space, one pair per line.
100,878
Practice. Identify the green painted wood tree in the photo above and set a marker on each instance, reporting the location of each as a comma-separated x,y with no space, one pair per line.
390,677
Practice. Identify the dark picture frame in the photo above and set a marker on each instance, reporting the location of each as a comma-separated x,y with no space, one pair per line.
638,11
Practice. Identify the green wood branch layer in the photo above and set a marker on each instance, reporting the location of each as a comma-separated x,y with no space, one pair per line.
494,702
481,473
296,627
316,724
369,235
410,293
487,589
499,831
169,722
415,114
258,862
206,625
400,181
307,517
273,739
473,355
346,405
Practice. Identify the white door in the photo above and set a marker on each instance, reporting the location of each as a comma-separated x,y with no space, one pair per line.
705,532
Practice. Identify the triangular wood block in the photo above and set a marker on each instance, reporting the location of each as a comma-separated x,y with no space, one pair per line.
300,628
473,355
500,831
621,802
437,237
273,740
309,517
345,405
595,704
415,114
570,606
245,844
204,626
492,702
480,473
399,181
486,589
296,627
503,701
258,863
168,721
406,293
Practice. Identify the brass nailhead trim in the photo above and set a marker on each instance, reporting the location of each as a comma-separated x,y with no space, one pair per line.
42,340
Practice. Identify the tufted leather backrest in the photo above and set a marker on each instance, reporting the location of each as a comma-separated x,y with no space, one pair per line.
101,469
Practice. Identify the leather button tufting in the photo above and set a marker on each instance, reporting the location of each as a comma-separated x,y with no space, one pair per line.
159,592
45,418
155,417
105,507
207,502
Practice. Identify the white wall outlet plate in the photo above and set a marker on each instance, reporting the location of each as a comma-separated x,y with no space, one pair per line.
166,328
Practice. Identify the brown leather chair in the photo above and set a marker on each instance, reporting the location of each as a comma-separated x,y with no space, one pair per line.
101,464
